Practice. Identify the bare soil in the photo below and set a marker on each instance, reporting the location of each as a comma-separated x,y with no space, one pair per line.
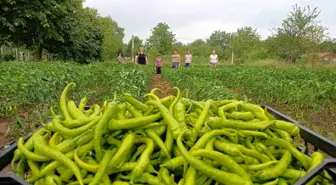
323,122
158,82
9,132
4,127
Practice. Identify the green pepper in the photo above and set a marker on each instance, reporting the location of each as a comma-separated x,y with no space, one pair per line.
179,110
44,149
217,123
144,159
223,160
76,131
137,104
102,167
136,113
284,144
277,170
108,113
291,128
258,112
317,158
132,122
74,111
218,175
246,116
63,101
175,127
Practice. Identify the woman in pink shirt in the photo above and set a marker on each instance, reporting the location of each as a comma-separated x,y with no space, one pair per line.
158,64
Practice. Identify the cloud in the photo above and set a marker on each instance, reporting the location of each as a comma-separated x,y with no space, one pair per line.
197,19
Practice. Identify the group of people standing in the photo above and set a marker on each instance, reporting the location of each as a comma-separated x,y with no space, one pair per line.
141,58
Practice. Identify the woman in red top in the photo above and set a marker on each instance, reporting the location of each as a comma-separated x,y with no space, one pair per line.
158,64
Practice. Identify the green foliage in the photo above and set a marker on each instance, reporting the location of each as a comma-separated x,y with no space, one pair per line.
162,39
297,87
39,85
84,43
247,44
34,24
300,33
64,29
113,38
199,48
327,46
137,45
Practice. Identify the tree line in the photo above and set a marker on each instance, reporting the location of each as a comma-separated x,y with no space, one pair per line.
65,30
299,34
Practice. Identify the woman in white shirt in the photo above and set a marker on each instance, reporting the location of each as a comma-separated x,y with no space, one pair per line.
213,59
188,59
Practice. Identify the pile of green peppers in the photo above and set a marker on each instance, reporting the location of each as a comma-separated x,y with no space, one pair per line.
168,141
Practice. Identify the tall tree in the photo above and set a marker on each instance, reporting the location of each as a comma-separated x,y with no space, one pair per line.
82,40
178,45
200,48
34,23
162,39
246,43
299,33
113,38
219,38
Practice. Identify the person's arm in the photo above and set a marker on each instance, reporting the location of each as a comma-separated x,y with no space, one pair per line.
190,59
146,60
136,59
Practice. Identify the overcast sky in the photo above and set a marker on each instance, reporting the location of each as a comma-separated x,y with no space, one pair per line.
197,19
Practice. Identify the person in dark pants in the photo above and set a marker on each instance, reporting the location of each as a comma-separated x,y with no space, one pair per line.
158,64
142,57
176,59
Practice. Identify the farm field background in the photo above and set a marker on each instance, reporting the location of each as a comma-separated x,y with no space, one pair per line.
28,90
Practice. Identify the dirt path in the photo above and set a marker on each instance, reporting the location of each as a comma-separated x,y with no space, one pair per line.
4,126
158,82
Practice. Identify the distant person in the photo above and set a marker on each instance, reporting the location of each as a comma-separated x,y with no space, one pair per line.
158,64
213,59
120,59
142,57
188,59
176,59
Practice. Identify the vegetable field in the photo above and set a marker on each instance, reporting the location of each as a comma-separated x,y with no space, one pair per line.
28,90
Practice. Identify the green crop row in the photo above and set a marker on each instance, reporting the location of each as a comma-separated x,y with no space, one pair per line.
37,85
299,87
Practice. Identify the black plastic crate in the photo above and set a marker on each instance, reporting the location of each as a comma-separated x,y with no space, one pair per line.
6,155
310,138
326,165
